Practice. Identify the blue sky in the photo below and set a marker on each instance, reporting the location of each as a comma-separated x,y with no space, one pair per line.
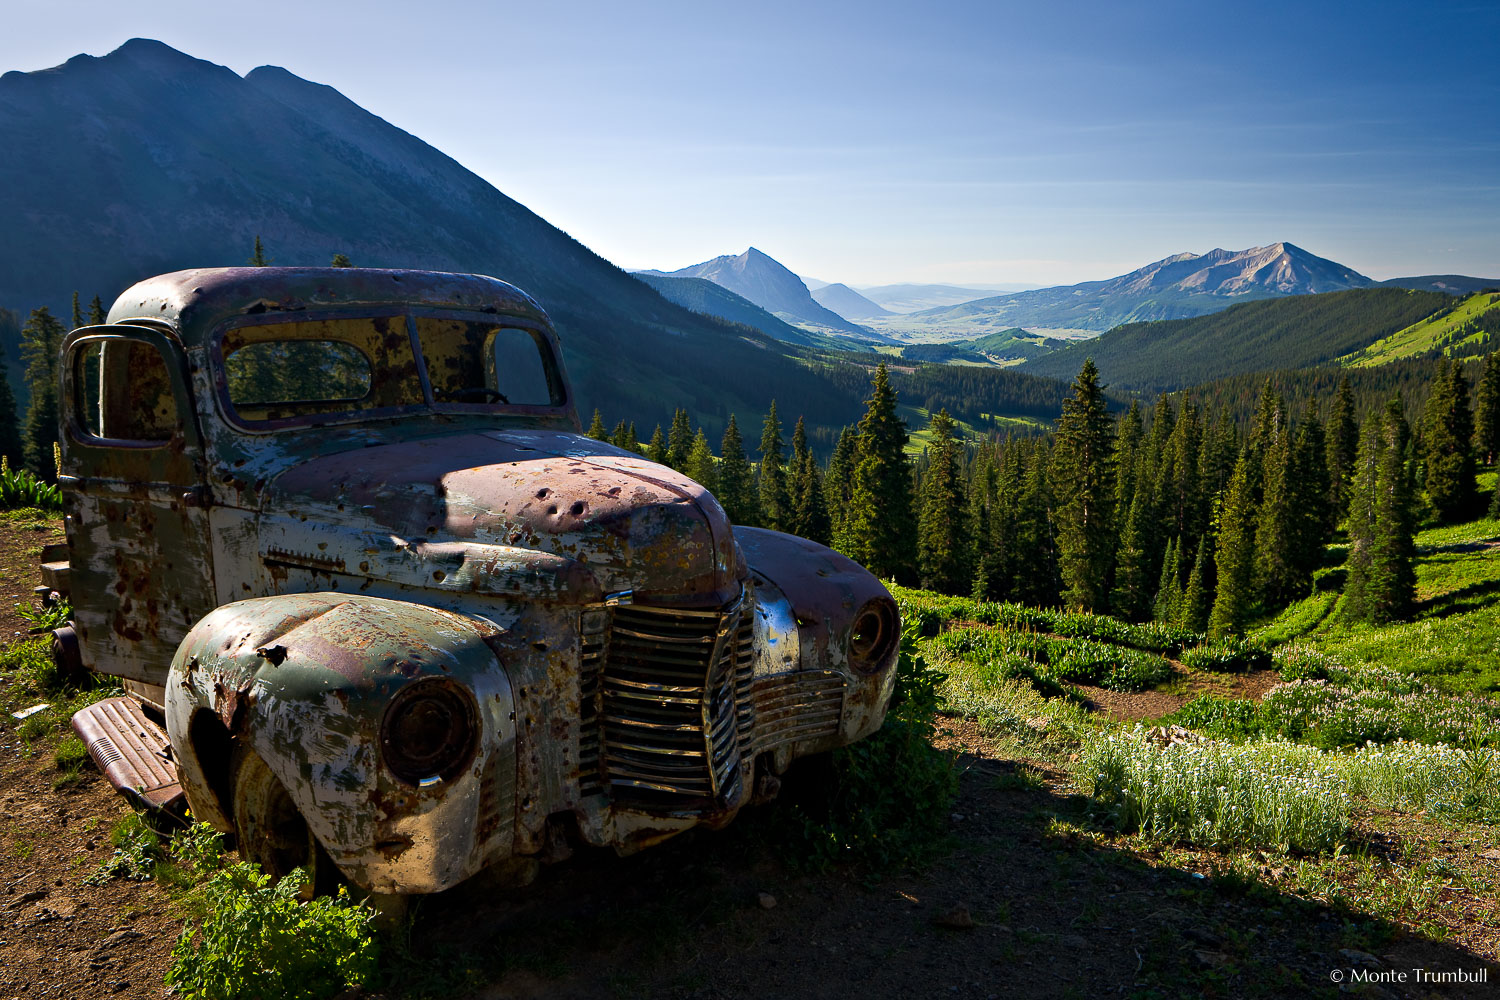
879,142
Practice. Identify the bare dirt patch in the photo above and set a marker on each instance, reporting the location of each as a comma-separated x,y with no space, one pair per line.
22,536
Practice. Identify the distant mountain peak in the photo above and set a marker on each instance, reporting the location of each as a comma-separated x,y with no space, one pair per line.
1179,286
770,284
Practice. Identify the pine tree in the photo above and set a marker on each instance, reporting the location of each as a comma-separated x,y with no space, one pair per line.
1181,490
700,464
1221,448
1313,492
980,500
1360,521
1393,576
1448,457
943,546
679,440
1197,602
1487,412
735,492
1278,563
596,427
1343,448
12,448
1083,473
879,529
809,505
258,257
340,260
656,448
800,449
1381,580
838,486
77,312
1131,597
1128,440
623,438
775,500
1035,564
41,341
1167,607
1235,555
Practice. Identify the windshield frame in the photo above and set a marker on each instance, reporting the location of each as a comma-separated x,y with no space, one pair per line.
544,337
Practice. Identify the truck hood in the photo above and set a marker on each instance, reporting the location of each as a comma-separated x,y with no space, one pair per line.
633,524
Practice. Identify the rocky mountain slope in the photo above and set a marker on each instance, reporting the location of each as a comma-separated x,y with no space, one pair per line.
1176,287
148,160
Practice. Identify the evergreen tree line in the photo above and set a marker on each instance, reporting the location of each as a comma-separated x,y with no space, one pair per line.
1176,514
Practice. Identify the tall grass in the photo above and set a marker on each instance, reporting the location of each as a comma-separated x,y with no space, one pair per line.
1274,795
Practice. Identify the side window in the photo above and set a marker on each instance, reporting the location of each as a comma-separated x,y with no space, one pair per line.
476,363
515,358
311,368
123,392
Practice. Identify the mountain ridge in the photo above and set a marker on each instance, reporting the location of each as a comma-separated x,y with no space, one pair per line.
1176,287
765,281
848,303
148,160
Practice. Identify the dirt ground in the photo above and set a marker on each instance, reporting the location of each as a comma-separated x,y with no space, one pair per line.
1022,900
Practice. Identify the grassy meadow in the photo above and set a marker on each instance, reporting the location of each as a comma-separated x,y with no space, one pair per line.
1309,741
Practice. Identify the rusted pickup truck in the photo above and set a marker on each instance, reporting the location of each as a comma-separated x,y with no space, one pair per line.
379,609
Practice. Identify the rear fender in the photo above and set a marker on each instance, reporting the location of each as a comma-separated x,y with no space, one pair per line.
304,680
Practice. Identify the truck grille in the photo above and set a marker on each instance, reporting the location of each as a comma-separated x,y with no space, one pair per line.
670,708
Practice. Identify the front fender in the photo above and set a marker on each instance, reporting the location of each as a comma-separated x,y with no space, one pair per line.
826,592
304,680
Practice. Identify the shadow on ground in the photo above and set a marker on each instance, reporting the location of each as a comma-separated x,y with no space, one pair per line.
1054,915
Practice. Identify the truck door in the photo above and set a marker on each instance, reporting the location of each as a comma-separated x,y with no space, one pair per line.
141,570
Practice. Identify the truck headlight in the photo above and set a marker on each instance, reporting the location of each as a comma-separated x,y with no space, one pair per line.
430,732
873,635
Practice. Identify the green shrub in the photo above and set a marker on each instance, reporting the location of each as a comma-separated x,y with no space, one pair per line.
45,619
260,942
19,488
1230,654
1225,718
1297,662
137,851
887,798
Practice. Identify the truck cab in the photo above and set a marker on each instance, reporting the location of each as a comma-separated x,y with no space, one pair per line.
381,611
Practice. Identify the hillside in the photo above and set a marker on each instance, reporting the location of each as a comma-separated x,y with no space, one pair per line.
769,284
1468,327
847,302
1294,332
703,296
1177,287
148,160
1452,284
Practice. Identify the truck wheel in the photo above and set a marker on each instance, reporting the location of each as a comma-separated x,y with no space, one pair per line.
270,829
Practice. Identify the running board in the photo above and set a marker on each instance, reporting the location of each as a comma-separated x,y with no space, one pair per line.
134,753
